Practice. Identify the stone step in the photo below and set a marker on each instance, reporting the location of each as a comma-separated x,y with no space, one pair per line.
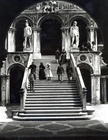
85,117
51,114
53,110
54,96
51,99
35,95
52,104
53,91
53,107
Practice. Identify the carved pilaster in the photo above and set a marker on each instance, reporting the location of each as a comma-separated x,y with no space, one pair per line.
36,42
5,89
65,39
92,34
95,90
11,39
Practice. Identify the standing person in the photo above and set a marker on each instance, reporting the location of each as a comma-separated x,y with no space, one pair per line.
27,35
74,33
31,81
57,55
69,71
60,71
49,74
42,75
32,67
63,57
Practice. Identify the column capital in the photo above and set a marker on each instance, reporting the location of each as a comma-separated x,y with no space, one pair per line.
12,29
36,28
91,27
64,28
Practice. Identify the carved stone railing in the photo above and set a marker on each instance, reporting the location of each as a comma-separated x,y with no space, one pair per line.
79,80
25,82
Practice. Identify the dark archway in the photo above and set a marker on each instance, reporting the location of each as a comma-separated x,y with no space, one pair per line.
104,72
16,76
51,37
87,80
86,72
19,35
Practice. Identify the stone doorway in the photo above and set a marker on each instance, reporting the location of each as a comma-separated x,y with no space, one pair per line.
50,36
16,76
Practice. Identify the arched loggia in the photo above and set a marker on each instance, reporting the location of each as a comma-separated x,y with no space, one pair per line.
50,36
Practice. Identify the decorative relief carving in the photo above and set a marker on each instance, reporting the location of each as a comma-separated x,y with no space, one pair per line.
51,6
17,58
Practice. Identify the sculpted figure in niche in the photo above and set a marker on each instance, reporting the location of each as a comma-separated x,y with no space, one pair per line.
74,33
27,35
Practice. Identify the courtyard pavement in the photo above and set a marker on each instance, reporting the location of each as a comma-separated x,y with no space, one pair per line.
96,128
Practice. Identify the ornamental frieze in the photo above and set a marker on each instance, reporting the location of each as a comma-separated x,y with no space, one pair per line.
52,6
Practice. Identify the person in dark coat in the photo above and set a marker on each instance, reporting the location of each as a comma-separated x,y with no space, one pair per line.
42,75
32,67
57,55
63,57
60,71
69,71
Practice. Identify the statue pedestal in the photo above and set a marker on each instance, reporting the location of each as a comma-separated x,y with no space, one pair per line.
29,49
36,55
74,48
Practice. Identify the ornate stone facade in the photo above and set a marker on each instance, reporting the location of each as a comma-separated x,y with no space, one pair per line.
65,13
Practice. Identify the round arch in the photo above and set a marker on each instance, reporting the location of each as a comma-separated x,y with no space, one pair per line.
51,34
49,16
15,65
87,66
80,17
20,18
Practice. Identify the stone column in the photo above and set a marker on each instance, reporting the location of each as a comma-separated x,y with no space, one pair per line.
36,43
103,89
7,89
66,40
11,39
3,90
95,90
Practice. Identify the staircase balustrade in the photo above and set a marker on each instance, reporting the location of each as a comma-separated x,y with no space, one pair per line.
25,81
78,77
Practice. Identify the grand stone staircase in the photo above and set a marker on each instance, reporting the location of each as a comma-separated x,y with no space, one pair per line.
53,99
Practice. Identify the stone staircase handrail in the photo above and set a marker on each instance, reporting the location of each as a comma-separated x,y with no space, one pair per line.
25,81
80,82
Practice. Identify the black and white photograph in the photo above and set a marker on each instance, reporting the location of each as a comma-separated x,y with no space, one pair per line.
53,69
